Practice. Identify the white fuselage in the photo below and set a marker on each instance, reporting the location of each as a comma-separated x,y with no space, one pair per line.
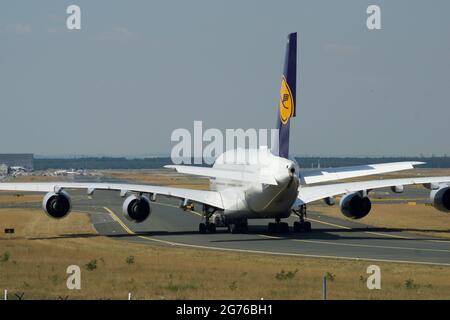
257,200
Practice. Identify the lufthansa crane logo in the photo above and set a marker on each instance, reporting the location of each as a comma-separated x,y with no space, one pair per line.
286,102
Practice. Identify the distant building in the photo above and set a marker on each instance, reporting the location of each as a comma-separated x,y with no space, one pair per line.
25,160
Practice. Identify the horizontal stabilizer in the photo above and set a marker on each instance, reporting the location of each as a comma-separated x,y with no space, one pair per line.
244,176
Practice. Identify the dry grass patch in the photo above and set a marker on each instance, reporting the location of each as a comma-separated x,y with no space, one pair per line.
420,218
8,198
39,254
36,179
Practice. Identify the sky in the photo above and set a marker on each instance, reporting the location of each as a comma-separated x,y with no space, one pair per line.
137,70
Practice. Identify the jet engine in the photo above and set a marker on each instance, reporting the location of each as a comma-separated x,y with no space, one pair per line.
355,206
57,205
440,199
136,208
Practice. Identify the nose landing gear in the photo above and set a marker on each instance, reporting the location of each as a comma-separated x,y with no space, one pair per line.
208,225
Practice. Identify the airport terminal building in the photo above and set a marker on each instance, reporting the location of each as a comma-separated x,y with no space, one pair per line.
25,160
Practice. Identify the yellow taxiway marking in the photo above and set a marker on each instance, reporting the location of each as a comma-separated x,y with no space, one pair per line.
397,199
131,232
387,235
158,240
267,236
353,245
116,218
369,246
378,233
348,228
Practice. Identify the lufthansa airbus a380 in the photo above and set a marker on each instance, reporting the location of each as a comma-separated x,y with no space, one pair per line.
271,188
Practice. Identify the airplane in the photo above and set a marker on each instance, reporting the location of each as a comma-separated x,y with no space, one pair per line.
273,188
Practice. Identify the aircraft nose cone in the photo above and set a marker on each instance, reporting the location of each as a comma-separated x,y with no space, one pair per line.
285,173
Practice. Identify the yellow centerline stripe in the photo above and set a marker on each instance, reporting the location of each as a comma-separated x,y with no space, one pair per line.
398,199
129,231
116,218
270,237
348,228
353,245
369,246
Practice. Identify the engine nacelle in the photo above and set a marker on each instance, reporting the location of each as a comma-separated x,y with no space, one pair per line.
398,189
331,201
57,205
440,199
136,208
354,206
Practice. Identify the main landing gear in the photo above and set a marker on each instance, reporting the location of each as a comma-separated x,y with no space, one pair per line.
278,227
302,225
209,225
299,226
214,218
238,226
206,227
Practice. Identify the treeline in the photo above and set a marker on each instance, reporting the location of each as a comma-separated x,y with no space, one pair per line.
152,163
100,163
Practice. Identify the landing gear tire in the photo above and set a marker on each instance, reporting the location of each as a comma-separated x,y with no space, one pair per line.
202,228
212,228
307,226
233,228
272,227
304,226
280,227
283,227
238,227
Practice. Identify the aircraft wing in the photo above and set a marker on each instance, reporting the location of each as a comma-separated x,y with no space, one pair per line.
225,174
332,174
211,198
308,194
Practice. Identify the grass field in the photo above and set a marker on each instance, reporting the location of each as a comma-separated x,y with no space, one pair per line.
8,198
34,261
419,218
36,179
